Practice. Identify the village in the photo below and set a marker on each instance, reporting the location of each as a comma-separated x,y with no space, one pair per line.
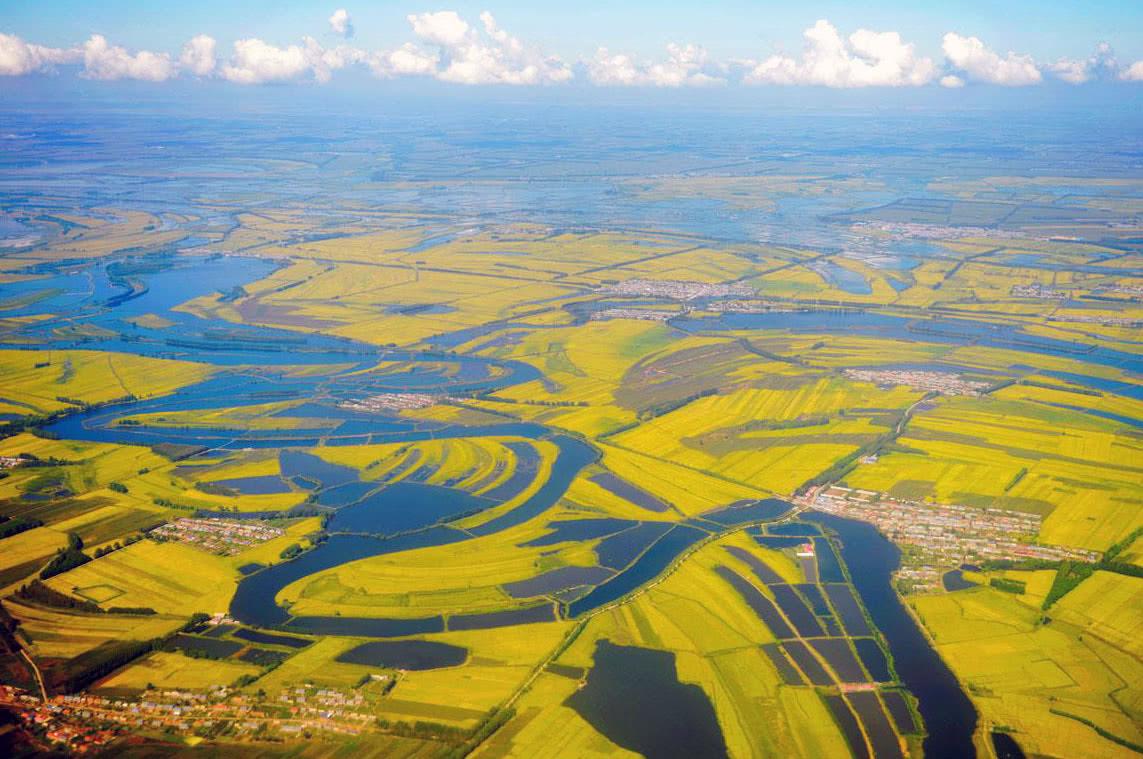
945,383
224,537
678,289
1038,291
644,314
391,402
85,723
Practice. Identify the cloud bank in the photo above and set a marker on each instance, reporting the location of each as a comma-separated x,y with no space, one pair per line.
864,59
684,66
450,48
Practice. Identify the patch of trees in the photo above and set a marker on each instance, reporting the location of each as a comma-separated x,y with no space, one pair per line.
667,407
554,404
177,451
1008,586
1067,579
169,504
66,558
1016,480
496,719
290,551
38,593
16,525
236,292
32,460
432,731
80,672
213,488
117,487
1118,548
101,552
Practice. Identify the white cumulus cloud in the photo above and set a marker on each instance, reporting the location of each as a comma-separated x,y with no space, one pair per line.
102,60
198,56
488,55
1133,73
866,59
18,57
258,62
686,65
979,63
1099,65
341,24
407,60
952,82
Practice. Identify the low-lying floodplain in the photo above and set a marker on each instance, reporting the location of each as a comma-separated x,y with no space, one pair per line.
570,440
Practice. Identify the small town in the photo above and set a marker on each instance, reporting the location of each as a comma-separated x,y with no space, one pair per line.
945,535
921,231
224,537
1038,291
945,383
84,723
1135,291
643,314
677,289
392,402
750,307
1106,321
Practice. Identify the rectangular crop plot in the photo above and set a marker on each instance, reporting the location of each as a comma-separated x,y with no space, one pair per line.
881,735
849,726
629,492
813,595
807,662
263,657
796,611
852,617
210,648
99,593
874,659
761,569
841,659
556,580
272,639
619,550
761,605
829,566
899,709
545,613
787,671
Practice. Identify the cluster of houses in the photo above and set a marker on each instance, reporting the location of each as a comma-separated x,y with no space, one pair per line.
1045,292
224,537
678,289
945,383
644,314
391,402
946,535
85,722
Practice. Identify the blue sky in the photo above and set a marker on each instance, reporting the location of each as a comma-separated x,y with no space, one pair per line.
1015,43
1048,28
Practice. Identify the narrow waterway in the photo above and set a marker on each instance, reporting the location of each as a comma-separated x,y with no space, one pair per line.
949,715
